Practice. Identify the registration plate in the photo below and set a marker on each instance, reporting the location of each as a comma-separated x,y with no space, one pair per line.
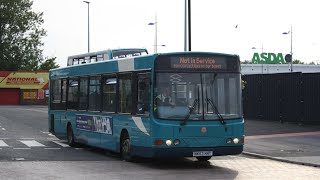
202,153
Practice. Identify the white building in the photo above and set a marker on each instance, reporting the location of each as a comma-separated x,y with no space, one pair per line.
247,69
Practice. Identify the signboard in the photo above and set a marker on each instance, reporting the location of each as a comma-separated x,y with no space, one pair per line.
196,63
200,62
268,58
102,124
24,80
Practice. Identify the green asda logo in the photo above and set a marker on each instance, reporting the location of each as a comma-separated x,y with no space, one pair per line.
268,58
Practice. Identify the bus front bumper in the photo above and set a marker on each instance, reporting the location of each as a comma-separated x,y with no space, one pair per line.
184,151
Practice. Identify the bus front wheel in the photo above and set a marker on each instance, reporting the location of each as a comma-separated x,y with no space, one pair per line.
125,148
70,136
203,158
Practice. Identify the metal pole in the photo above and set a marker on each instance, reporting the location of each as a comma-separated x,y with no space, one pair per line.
156,35
88,25
189,23
185,26
291,50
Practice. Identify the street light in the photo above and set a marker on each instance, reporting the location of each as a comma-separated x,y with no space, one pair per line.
155,23
285,33
258,48
88,25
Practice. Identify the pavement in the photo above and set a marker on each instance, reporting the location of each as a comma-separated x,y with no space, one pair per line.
287,142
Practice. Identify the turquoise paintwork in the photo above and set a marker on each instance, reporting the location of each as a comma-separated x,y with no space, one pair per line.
190,135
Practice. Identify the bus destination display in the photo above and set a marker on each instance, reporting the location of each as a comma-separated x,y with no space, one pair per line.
197,63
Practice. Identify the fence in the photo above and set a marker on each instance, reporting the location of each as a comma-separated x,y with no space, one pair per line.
293,97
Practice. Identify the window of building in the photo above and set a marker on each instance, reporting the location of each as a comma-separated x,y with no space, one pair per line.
125,93
94,94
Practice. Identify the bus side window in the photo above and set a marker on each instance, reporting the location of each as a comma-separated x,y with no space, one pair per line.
73,94
143,104
125,94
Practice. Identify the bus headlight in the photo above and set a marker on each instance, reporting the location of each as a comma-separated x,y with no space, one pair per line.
168,142
236,140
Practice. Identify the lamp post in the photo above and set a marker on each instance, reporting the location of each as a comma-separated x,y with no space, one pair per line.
88,25
290,32
258,48
155,23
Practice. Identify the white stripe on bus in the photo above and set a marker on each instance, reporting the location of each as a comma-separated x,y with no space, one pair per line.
140,125
126,64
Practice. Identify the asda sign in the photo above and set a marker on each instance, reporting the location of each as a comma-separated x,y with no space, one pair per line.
268,58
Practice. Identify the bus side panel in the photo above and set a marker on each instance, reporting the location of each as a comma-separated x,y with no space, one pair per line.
141,132
111,141
83,136
59,128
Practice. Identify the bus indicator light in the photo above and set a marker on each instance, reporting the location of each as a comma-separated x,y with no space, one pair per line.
158,142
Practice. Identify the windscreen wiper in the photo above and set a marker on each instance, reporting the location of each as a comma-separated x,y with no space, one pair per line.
195,103
216,110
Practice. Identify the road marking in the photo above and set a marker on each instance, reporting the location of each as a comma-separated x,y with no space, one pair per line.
19,159
21,148
283,135
26,138
61,144
51,135
4,138
3,144
3,129
52,148
36,110
32,143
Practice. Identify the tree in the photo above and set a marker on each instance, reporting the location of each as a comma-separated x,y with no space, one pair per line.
49,64
297,61
20,35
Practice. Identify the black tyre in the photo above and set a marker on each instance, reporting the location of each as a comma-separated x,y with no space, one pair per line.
126,148
203,158
70,136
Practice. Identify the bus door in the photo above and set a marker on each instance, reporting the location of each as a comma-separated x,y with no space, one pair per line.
141,127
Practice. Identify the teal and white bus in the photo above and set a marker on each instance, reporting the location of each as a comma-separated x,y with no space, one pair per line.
184,104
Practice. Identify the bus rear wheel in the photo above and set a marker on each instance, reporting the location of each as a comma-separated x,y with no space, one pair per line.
70,136
125,148
203,158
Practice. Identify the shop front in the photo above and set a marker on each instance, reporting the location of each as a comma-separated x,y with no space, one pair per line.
18,87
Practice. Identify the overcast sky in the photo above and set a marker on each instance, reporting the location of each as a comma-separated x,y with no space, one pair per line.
124,24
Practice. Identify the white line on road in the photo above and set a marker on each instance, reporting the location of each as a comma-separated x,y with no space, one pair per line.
26,138
52,148
21,148
4,129
3,144
36,110
61,144
32,143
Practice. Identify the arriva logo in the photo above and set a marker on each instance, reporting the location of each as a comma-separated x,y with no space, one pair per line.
268,58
